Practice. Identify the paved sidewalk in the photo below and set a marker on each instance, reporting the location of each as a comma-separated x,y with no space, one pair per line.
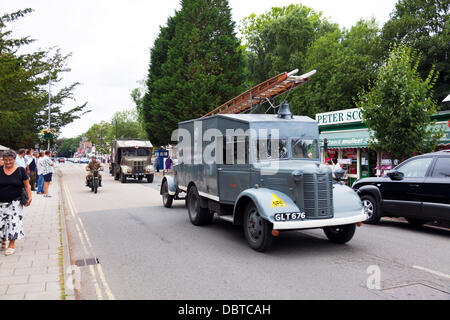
36,270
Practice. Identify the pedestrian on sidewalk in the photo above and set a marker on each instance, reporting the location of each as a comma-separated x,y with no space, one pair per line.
33,171
20,159
40,178
13,179
47,172
169,163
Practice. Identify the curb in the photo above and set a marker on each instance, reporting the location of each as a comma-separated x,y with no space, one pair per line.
67,280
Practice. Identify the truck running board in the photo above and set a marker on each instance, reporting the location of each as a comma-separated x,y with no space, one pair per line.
227,218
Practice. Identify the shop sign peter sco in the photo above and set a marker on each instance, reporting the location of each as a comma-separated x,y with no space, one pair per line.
339,117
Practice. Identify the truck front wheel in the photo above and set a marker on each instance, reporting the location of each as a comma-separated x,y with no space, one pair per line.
257,230
123,178
340,234
198,215
150,178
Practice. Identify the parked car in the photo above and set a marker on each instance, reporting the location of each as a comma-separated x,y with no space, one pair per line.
84,160
76,160
418,189
61,160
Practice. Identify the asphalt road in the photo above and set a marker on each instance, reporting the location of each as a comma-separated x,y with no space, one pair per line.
146,251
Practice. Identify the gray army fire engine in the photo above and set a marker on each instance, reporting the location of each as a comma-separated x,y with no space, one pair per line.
260,171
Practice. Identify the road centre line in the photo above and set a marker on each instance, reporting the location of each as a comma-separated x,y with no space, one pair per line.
92,270
437,273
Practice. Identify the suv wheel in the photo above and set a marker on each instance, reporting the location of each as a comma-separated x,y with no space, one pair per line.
198,215
371,208
257,230
340,234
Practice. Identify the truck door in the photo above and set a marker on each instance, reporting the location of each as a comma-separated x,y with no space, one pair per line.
234,174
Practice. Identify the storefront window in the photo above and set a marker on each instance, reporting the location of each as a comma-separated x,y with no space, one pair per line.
349,161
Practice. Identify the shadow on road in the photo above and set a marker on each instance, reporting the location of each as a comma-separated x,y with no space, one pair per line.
441,229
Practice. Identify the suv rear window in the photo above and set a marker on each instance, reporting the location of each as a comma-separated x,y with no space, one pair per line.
442,168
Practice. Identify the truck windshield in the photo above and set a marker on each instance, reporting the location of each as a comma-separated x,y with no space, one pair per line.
141,152
304,148
271,149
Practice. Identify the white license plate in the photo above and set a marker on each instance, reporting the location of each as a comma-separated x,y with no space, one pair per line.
291,216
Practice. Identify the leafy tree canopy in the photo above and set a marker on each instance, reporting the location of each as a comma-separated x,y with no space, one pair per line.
399,105
24,82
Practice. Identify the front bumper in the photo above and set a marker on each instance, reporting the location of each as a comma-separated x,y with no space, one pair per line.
320,223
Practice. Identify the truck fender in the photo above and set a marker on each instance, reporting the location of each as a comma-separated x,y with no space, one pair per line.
267,201
371,190
170,185
346,201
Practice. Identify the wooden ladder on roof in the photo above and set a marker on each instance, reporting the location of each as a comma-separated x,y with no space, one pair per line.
260,93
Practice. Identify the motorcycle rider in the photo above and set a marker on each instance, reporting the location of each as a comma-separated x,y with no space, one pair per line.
94,164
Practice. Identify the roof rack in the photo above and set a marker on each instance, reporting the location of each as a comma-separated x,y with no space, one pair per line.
260,93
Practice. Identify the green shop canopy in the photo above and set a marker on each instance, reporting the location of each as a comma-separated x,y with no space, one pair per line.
346,138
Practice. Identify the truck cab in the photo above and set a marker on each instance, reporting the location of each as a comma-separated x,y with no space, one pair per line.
131,159
261,172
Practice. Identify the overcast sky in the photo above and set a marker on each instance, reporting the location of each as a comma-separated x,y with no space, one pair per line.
110,40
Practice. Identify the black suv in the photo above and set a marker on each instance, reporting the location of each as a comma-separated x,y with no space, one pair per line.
417,189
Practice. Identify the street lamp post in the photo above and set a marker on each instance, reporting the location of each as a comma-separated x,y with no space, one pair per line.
50,100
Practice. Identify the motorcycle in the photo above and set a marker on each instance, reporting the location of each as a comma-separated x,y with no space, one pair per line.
94,182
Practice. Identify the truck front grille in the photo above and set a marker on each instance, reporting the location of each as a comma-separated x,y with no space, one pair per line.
318,195
138,167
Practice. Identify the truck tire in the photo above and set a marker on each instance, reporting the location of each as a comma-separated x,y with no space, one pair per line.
199,216
372,209
257,230
340,234
166,197
150,178
123,178
116,175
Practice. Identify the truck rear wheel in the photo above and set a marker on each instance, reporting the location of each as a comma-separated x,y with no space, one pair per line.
257,230
340,234
198,215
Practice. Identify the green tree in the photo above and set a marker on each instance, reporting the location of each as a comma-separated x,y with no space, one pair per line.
204,67
399,105
346,61
100,136
69,147
277,40
124,125
23,88
425,26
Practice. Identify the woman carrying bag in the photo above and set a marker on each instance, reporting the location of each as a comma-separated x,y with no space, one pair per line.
15,192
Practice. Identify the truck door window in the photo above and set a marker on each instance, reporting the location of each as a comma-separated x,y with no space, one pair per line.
304,148
270,149
236,150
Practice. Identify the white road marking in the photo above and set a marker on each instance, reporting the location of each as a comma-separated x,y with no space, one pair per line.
84,236
437,273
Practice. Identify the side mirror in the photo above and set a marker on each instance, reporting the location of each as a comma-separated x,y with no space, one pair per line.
339,173
395,175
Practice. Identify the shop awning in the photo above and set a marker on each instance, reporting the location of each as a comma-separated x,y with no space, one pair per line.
359,138
346,138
